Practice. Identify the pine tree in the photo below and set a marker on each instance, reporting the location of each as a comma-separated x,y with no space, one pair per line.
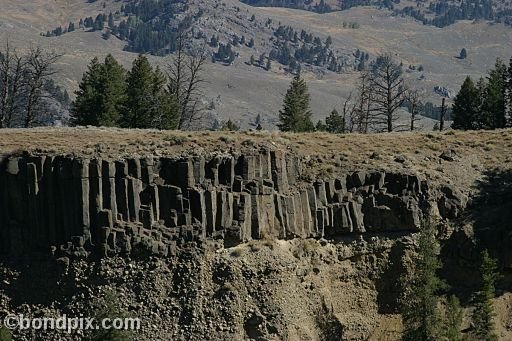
453,319
148,103
483,325
493,115
165,109
138,104
320,126
111,20
420,313
100,94
463,53
296,115
114,89
508,96
229,126
334,123
465,111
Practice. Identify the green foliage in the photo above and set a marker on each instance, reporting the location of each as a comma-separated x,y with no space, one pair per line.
107,96
453,319
229,126
463,53
484,105
466,106
100,95
108,308
493,115
335,123
5,334
483,325
420,310
296,115
139,103
292,48
320,126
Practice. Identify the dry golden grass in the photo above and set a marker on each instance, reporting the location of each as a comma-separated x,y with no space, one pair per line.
325,155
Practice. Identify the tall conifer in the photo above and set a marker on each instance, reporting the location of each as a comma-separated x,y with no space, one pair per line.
296,115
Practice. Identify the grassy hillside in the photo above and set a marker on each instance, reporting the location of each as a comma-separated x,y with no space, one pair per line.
242,91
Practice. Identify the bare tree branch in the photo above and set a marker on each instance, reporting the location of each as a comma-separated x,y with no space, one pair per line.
185,73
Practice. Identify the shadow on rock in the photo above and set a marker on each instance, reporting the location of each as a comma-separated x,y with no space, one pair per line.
486,224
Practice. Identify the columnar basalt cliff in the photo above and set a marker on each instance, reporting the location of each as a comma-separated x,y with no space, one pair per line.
78,205
245,235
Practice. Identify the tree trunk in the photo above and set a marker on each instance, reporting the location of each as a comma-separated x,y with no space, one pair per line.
413,116
441,118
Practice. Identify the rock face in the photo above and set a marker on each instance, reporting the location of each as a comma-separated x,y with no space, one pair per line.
155,205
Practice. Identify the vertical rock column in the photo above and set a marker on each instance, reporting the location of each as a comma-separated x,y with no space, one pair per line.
15,208
82,194
65,199
95,195
121,183
33,235
108,179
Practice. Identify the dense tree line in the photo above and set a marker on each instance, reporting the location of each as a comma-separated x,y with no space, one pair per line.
292,48
446,13
143,97
486,104
149,26
309,5
28,95
110,96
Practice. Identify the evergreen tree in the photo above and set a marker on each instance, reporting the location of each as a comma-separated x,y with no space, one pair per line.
320,126
100,94
296,115
493,115
111,20
334,122
463,53
148,104
114,89
165,109
420,313
138,104
507,94
453,319
88,104
229,126
465,110
483,325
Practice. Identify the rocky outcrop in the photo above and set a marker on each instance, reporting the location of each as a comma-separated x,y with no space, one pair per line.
156,205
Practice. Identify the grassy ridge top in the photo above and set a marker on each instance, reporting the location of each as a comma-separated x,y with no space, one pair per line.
473,154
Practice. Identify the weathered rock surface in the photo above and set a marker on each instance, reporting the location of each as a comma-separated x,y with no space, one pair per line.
155,204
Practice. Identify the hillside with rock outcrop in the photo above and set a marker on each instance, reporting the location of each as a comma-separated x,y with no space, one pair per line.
240,91
251,235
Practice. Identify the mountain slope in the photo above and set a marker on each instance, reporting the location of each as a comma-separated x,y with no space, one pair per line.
241,91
